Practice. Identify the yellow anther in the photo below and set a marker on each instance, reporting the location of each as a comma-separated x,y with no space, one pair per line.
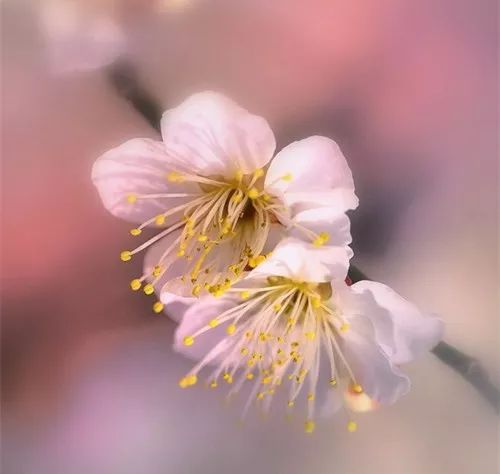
310,397
135,232
257,260
149,289
213,323
294,344
188,340
258,173
181,253
263,337
355,387
132,198
228,378
249,376
248,334
192,379
183,383
260,395
310,335
267,380
231,329
236,198
277,307
287,177
352,426
291,403
244,351
333,382
250,362
213,384
196,290
321,239
158,307
266,197
135,284
309,426
344,327
160,219
202,238
239,175
175,177
156,271
316,301
245,295
125,256
253,193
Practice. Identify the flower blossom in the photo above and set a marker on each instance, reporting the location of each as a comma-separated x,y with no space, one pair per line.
293,325
220,200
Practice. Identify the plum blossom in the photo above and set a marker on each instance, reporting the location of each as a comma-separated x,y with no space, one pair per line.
220,200
293,325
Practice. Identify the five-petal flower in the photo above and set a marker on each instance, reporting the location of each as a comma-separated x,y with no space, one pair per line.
294,320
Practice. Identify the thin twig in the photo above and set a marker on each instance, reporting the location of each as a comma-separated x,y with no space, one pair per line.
124,79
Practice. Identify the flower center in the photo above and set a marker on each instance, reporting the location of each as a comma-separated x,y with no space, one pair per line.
232,216
276,334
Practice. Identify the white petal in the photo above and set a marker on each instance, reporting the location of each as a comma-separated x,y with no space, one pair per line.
297,260
400,327
216,136
198,316
320,219
138,166
372,368
319,173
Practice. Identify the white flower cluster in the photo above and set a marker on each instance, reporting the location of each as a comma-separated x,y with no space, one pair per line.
251,256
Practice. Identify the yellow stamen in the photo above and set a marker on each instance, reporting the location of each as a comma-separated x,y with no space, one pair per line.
135,232
231,329
188,341
149,289
253,193
132,198
135,284
158,307
352,426
126,255
309,426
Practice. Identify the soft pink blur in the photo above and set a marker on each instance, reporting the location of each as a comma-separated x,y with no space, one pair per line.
407,88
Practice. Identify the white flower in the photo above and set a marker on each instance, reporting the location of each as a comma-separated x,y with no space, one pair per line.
219,200
293,325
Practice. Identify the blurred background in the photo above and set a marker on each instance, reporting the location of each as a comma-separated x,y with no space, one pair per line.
408,89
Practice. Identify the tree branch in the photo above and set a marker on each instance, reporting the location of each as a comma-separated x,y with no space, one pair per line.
124,80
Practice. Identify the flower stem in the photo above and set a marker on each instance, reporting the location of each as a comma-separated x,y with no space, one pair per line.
124,80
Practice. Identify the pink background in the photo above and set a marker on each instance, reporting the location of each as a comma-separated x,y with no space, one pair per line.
407,88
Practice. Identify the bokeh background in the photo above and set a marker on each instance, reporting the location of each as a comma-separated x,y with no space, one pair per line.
407,88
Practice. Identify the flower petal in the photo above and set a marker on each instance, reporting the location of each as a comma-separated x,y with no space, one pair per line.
216,136
372,368
313,171
403,331
295,259
320,219
197,316
138,167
